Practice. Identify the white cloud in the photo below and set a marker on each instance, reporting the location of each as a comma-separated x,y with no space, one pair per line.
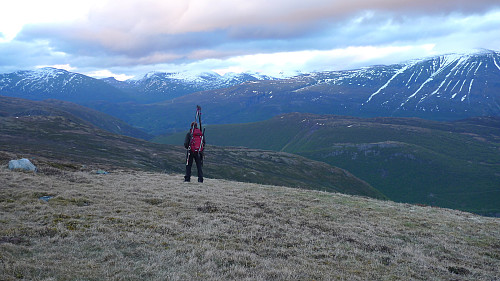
66,67
229,69
14,15
104,73
289,63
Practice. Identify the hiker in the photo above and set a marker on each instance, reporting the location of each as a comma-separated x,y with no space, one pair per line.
194,143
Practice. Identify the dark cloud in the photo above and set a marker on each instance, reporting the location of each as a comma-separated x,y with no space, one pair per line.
18,55
104,41
139,30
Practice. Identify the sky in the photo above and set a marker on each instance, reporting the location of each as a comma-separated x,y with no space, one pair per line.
129,38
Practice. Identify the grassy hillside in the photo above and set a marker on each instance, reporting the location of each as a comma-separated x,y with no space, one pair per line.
133,225
21,107
448,164
61,139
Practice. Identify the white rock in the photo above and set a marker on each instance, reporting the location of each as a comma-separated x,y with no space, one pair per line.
23,163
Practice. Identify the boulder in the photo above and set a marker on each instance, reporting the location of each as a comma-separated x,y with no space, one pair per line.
23,163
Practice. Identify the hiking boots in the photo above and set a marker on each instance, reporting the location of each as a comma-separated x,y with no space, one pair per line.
188,180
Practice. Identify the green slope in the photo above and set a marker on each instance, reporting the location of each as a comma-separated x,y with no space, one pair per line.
448,164
59,140
22,107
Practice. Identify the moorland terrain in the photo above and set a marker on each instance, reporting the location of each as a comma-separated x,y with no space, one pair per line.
137,225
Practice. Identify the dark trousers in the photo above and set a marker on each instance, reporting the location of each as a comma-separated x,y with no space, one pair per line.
197,158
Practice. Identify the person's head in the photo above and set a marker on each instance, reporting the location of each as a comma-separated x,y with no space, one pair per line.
194,125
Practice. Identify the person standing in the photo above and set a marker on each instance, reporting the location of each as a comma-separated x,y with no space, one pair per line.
194,143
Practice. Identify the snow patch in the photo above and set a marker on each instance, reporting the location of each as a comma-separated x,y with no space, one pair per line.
495,62
459,61
390,80
470,85
440,65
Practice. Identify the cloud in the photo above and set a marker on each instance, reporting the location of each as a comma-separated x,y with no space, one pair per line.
174,17
334,59
138,28
66,67
192,16
290,63
105,73
117,34
16,55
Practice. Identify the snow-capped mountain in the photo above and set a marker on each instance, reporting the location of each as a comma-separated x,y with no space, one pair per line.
451,86
443,87
160,86
51,83
45,83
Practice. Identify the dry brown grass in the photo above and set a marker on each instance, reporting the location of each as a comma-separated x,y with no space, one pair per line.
130,225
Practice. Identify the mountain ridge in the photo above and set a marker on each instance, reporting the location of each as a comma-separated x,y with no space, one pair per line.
442,88
445,87
52,83
384,90
159,86
17,107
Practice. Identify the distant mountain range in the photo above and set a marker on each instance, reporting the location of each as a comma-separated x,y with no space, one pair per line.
160,86
446,87
51,83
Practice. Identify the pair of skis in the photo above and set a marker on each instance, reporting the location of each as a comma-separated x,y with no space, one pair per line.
197,117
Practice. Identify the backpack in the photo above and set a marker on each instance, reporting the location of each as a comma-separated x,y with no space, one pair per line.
197,141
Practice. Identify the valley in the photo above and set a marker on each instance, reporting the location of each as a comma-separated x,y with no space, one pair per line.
447,164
